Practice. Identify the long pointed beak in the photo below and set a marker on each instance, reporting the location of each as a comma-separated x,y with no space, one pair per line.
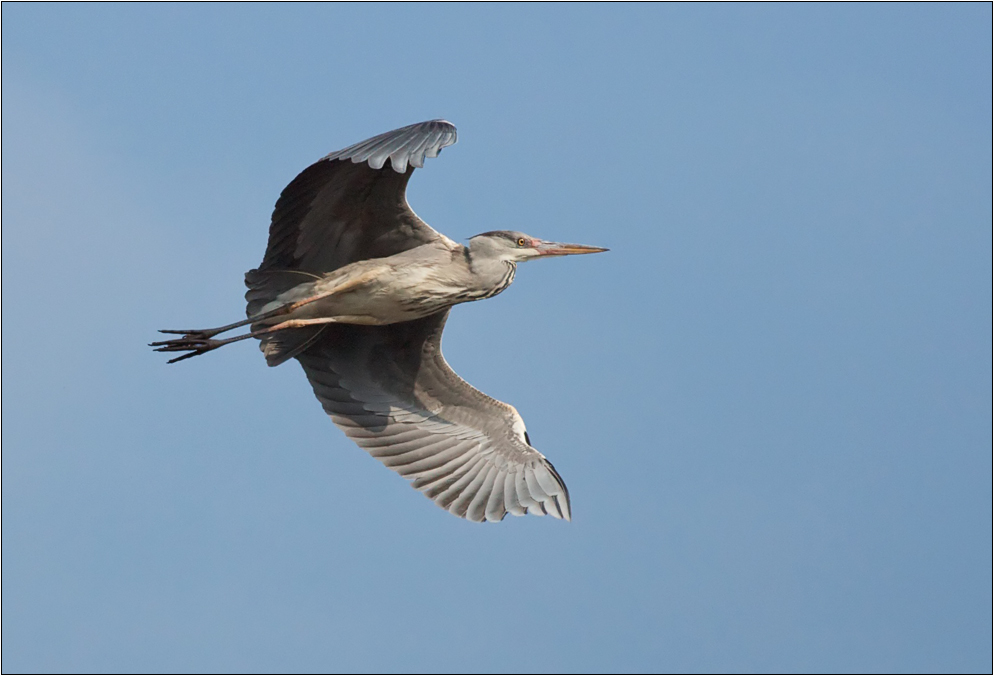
559,249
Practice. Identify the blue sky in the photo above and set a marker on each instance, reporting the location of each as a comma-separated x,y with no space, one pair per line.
771,401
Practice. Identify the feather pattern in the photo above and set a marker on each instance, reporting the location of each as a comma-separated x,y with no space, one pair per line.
390,389
405,146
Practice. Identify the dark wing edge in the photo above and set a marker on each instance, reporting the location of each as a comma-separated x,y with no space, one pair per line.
391,391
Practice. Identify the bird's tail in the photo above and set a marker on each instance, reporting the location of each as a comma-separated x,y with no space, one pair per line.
264,286
288,343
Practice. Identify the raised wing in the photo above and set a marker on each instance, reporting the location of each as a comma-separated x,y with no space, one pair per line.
390,389
348,206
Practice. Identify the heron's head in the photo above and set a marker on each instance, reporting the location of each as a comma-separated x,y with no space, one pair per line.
515,247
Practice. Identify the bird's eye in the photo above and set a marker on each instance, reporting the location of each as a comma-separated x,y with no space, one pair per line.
521,241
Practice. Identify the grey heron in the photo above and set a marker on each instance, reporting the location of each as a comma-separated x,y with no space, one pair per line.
357,288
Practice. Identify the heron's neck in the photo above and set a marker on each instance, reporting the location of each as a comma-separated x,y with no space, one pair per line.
490,275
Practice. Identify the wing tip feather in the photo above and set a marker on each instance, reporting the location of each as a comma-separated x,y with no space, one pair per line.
404,147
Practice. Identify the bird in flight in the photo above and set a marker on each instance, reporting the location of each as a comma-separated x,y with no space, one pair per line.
357,288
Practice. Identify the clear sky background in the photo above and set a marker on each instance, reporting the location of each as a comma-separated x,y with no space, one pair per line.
771,401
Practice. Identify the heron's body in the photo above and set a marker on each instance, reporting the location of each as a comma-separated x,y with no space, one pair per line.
357,288
405,286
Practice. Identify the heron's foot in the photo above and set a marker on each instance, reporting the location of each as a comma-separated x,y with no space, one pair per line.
193,343
195,333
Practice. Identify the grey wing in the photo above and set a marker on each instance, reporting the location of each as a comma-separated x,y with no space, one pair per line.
391,391
346,207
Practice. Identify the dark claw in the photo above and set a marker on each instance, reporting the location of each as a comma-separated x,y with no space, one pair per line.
178,341
193,333
193,344
185,356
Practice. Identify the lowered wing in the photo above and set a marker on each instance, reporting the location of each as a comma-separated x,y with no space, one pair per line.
391,391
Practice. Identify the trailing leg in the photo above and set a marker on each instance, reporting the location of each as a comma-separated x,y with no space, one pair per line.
196,343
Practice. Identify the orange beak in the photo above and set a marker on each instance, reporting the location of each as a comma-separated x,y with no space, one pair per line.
559,249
